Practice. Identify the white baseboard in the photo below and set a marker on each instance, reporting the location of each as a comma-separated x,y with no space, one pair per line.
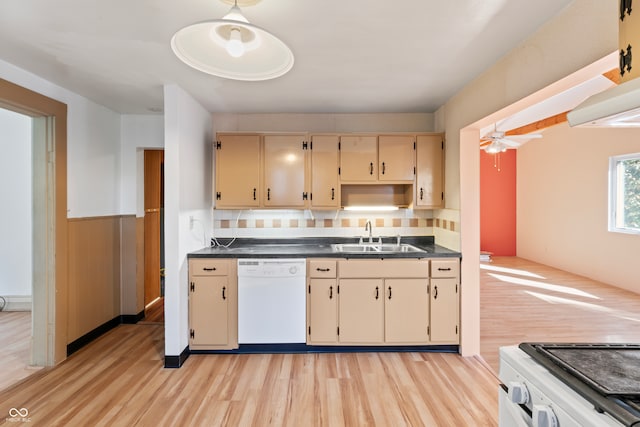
17,302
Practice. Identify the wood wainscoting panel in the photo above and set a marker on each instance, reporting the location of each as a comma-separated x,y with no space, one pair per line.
94,273
140,264
128,265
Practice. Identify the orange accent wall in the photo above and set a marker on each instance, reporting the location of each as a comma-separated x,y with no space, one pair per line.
498,203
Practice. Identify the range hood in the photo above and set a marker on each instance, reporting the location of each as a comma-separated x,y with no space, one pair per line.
615,107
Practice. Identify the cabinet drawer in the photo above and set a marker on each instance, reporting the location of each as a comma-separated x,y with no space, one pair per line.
379,268
445,267
208,267
325,268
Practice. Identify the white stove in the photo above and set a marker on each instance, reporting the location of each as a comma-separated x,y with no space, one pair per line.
530,395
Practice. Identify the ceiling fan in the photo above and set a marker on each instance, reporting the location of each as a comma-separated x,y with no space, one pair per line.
498,141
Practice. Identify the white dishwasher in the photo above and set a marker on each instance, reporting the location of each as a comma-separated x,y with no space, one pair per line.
271,301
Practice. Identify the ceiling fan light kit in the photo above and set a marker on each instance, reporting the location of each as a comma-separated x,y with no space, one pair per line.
232,48
498,141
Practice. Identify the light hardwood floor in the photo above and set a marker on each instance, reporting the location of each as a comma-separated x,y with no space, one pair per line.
523,301
119,380
15,347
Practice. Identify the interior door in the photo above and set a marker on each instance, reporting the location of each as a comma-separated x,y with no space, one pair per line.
153,206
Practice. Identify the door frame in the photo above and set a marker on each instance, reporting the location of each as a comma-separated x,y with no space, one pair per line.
50,289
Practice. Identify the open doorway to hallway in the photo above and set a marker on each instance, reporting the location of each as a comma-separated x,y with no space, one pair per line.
16,246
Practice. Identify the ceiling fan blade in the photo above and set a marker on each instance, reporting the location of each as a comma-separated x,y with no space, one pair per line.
510,143
525,136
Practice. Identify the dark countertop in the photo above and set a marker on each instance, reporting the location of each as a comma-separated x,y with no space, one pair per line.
316,247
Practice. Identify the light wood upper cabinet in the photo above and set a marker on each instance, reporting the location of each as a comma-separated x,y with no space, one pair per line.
324,171
629,40
358,158
396,158
429,188
237,171
285,171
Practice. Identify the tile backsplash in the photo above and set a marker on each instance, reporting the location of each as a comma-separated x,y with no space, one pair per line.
297,223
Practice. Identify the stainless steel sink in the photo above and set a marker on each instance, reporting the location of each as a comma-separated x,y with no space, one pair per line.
374,247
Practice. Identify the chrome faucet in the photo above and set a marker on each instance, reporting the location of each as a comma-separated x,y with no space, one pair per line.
369,227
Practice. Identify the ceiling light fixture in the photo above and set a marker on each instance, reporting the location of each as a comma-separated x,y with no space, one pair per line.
232,48
495,147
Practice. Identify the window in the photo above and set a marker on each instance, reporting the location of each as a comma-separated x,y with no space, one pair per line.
624,193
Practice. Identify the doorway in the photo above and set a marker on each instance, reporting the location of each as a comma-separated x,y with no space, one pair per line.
50,251
154,235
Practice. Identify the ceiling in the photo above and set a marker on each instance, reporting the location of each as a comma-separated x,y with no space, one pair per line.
362,56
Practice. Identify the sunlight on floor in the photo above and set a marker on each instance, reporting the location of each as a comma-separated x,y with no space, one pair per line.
542,285
587,306
509,271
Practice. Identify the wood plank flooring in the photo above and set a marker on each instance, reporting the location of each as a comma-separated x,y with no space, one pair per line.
15,347
119,380
523,301
154,312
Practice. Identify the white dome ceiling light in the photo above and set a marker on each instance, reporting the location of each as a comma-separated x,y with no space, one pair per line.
232,48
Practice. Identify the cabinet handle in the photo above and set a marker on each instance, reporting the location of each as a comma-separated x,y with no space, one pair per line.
209,269
223,292
324,270
435,292
377,292
333,194
389,292
383,168
421,193
330,292
371,168
268,194
444,269
254,194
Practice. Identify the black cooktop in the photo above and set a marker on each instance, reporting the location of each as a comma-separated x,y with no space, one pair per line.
607,375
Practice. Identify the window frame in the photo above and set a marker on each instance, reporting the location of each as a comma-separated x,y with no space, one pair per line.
614,194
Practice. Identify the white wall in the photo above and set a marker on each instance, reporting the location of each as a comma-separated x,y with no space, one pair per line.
562,208
93,147
139,132
16,217
288,122
188,161
581,34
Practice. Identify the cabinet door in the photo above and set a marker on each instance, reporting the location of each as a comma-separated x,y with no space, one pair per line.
361,311
208,310
396,158
237,171
629,35
358,158
406,311
429,172
284,171
324,171
444,311
323,311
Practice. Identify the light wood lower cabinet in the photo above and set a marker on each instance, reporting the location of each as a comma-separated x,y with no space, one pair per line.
445,301
213,308
322,311
361,311
406,310
383,302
